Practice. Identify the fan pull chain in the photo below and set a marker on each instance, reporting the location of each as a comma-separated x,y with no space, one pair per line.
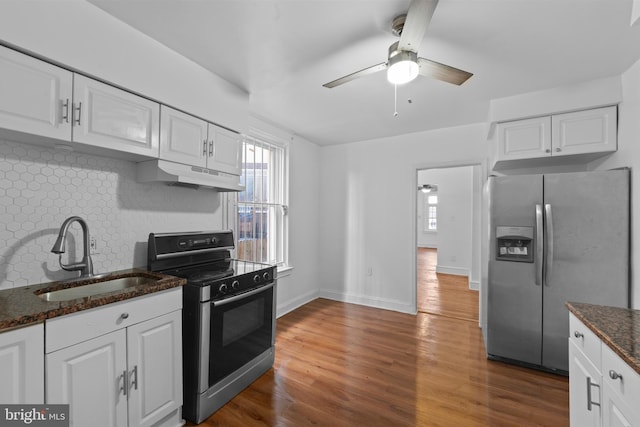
395,100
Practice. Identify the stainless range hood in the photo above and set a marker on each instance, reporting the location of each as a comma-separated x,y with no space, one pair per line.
172,173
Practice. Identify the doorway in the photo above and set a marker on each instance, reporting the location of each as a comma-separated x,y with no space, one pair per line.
448,241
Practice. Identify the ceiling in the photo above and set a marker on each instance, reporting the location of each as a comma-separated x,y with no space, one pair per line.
282,51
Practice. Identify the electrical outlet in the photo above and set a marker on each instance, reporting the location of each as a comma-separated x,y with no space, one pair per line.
93,246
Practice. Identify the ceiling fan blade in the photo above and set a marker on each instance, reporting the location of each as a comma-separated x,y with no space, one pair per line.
416,23
357,74
443,72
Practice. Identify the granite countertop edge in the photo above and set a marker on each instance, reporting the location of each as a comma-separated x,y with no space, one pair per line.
21,306
606,322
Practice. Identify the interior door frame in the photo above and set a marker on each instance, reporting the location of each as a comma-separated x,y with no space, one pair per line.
478,185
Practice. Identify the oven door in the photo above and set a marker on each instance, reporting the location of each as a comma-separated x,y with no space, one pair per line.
241,328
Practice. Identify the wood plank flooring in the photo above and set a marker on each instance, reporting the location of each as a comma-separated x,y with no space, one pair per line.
341,364
443,294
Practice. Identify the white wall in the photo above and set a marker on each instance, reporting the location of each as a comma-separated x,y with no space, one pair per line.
301,284
368,211
455,217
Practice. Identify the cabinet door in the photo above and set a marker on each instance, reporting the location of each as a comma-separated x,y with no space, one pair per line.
22,365
107,117
226,155
584,389
524,139
227,151
155,368
582,132
90,377
35,97
617,412
183,138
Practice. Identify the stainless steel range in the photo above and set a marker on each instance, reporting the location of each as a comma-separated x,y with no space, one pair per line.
228,316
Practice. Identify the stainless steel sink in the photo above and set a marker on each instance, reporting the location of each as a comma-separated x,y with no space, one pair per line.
96,288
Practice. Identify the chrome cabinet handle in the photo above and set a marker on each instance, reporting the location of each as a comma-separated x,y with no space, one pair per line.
204,147
558,150
124,387
547,150
79,110
578,334
590,403
133,378
124,316
614,375
65,105
211,148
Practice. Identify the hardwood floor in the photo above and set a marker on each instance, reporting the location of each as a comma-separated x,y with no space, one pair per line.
443,294
341,364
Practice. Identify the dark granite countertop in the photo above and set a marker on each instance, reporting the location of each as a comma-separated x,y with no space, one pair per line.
22,306
619,328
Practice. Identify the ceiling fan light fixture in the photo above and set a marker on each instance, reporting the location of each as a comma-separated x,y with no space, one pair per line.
403,67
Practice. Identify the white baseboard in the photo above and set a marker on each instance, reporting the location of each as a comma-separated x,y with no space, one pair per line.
474,285
287,306
452,270
384,303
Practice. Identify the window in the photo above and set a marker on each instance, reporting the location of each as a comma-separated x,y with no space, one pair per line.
261,207
431,209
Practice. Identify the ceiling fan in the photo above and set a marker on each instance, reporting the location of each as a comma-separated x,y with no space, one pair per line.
403,64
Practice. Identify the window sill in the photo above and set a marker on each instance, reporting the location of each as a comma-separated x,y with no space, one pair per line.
284,271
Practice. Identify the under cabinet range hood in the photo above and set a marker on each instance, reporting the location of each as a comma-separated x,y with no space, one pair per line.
180,174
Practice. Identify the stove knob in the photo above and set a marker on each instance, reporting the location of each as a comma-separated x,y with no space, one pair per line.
256,278
223,288
235,284
266,275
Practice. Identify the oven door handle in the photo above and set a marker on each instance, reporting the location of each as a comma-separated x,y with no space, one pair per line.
242,296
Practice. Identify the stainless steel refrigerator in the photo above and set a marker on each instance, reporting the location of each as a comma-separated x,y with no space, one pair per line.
554,238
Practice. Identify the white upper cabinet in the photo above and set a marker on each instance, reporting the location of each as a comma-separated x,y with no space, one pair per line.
192,141
35,96
524,139
226,155
22,365
569,138
590,131
107,117
183,138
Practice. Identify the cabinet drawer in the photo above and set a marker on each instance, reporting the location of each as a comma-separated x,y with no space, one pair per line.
628,387
585,339
74,328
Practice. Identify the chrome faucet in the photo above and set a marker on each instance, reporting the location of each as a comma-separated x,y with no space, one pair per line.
86,265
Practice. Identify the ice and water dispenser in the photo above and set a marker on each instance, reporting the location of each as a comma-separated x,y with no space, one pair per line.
514,244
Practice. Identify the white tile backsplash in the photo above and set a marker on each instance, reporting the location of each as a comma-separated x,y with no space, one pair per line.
40,187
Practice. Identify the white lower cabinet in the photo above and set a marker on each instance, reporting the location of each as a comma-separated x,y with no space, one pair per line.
129,376
603,389
22,365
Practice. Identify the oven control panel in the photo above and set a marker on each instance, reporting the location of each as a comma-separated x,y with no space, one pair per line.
176,244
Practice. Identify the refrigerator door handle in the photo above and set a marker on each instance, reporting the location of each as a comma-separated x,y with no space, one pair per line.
539,247
549,242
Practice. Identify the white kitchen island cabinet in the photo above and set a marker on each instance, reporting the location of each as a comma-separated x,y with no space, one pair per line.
603,389
187,139
568,138
22,365
120,364
41,103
